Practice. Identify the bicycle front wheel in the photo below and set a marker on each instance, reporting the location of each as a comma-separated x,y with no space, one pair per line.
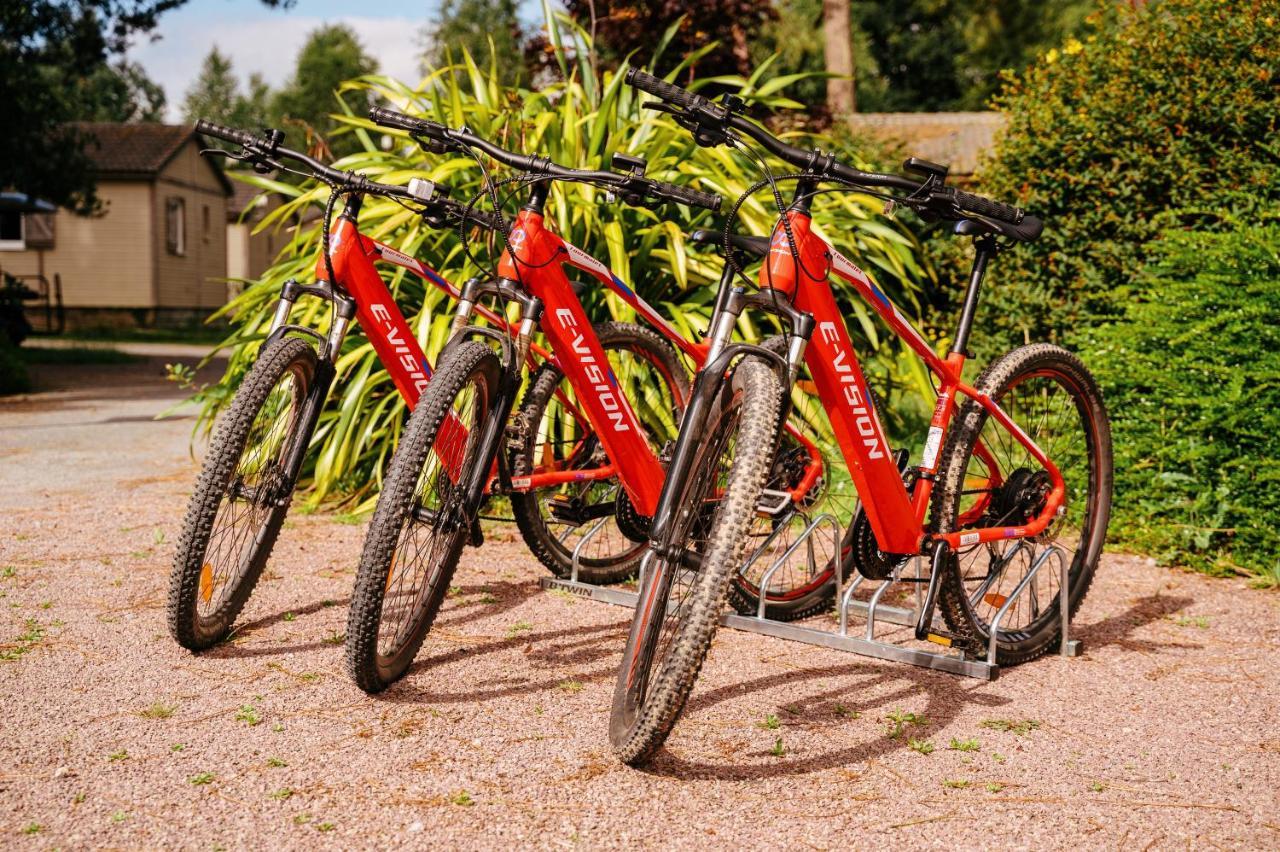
683,592
419,527
241,497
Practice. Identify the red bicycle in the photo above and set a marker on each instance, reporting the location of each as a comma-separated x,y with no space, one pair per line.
1017,473
250,472
589,432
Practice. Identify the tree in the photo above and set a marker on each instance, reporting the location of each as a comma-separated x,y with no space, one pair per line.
215,95
622,27
331,56
48,50
471,25
838,47
121,92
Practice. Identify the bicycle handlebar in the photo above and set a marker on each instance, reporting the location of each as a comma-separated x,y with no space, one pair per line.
711,120
633,188
265,148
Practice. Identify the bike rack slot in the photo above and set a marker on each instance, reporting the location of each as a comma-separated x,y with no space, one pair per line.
874,611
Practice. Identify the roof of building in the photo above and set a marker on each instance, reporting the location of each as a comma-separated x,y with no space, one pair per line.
125,151
956,139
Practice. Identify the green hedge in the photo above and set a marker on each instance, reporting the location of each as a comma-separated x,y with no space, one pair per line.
13,370
1193,387
1174,106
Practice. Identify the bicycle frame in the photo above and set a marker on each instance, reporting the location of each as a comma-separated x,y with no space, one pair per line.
896,517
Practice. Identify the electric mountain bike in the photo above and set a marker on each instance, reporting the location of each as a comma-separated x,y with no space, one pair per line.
620,413
252,466
1018,472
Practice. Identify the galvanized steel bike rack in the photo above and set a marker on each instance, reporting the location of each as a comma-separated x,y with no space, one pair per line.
874,611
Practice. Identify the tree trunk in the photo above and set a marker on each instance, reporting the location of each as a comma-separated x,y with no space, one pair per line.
839,55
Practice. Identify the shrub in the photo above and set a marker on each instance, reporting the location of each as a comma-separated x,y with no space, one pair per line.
580,121
1172,106
1193,389
13,369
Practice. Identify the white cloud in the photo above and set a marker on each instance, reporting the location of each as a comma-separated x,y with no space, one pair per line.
269,48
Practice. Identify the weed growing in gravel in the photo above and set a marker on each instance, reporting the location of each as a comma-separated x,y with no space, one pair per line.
289,616
455,591
519,627
46,604
177,747
282,794
462,798
487,598
327,603
955,784
970,744
30,638
347,518
325,826
201,778
249,715
277,728
77,798
276,763
301,819
122,754
778,749
159,710
1097,786
32,828
8,572
1193,621
847,712
1021,728
998,757
119,816
994,786
899,720
921,746
565,595
335,638
570,686
134,554
769,723
157,535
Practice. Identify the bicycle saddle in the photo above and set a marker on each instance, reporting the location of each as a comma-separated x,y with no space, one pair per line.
754,246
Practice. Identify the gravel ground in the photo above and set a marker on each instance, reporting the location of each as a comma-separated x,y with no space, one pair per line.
1163,735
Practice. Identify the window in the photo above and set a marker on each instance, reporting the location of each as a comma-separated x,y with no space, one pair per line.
205,231
175,225
11,231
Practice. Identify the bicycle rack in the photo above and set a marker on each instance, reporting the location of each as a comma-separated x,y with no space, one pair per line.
956,662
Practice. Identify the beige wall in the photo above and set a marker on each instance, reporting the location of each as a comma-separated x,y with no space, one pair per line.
104,261
196,278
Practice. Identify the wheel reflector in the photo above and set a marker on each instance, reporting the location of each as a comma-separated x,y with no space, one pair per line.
995,600
206,582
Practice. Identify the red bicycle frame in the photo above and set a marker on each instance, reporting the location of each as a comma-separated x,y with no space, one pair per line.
896,517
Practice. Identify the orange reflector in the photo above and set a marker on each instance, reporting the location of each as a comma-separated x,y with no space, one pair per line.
995,600
945,641
206,582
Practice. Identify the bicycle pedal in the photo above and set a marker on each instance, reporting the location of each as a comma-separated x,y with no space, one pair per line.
941,637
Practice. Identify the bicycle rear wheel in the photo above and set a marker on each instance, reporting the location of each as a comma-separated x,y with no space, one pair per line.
419,526
241,497
683,593
987,478
556,438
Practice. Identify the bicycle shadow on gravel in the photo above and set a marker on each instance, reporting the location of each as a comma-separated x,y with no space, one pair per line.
550,650
882,688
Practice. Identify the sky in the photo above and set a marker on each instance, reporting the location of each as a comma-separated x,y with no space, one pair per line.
265,40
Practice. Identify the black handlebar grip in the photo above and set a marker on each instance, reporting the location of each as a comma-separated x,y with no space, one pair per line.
684,195
660,88
989,208
384,117
229,134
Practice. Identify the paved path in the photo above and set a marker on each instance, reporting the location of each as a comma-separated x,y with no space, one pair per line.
1166,734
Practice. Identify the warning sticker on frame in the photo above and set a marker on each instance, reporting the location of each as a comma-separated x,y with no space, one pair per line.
931,444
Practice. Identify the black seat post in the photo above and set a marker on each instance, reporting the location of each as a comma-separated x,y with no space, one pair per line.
987,247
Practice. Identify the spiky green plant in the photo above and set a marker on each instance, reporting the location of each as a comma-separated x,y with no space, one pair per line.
581,120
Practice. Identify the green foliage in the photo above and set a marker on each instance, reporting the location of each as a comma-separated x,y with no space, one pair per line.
1172,107
120,92
215,96
581,121
921,55
471,26
1193,388
13,369
331,55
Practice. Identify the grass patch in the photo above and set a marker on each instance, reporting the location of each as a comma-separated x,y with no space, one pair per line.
955,784
899,720
32,636
159,710
282,794
76,355
249,715
1021,727
32,828
117,756
276,763
334,638
462,798
970,744
920,746
518,627
778,749
770,723
570,686
201,778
